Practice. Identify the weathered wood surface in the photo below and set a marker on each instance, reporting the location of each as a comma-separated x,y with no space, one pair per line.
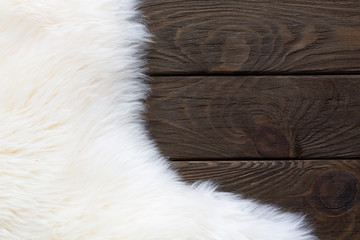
241,117
327,191
230,36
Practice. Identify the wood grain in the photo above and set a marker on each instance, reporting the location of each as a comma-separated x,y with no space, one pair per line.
327,191
255,117
267,36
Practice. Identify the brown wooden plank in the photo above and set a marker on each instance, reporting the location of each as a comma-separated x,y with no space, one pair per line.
267,36
327,191
256,117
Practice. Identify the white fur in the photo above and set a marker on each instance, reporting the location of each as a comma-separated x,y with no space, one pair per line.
76,161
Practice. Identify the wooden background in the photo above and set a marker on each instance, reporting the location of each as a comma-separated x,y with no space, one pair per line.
262,97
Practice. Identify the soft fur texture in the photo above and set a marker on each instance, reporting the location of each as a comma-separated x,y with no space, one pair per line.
76,161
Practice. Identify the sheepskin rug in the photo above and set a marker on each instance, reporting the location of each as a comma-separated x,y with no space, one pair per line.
76,159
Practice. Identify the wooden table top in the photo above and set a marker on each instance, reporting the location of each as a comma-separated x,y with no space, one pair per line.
263,98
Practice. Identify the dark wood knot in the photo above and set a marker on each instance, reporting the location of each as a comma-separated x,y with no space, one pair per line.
271,142
336,192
